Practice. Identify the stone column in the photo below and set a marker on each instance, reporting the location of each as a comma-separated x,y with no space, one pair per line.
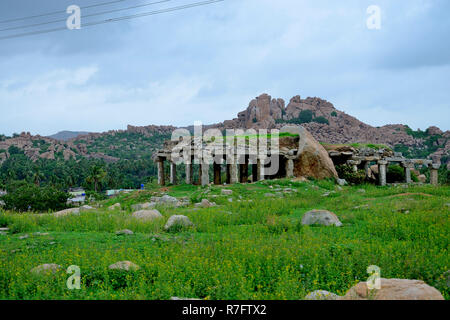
260,169
161,179
354,164
173,173
217,173
434,180
289,168
234,178
189,173
367,168
382,172
408,168
204,168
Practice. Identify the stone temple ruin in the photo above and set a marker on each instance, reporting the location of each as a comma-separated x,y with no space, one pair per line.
371,160
285,156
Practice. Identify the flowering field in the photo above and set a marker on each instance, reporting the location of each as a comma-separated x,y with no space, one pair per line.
251,247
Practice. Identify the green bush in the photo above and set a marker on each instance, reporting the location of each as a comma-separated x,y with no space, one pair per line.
395,173
346,172
29,197
322,120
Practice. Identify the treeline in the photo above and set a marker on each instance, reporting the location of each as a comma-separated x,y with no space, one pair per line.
91,174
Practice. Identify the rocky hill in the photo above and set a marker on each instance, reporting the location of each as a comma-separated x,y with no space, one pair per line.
67,135
320,117
329,125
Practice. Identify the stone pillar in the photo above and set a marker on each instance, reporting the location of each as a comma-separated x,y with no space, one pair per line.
260,169
161,178
173,173
234,178
189,173
382,172
434,174
289,168
354,164
217,173
367,168
408,168
204,168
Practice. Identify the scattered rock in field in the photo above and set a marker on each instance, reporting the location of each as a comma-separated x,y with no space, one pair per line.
166,199
394,289
205,203
326,194
86,208
447,204
366,206
177,221
25,236
3,233
227,192
271,187
178,298
41,234
322,295
341,182
46,268
4,229
116,206
339,188
361,191
269,195
230,199
67,212
322,217
147,214
124,265
143,206
124,232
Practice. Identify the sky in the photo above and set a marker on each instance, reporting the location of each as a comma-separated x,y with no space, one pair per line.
206,63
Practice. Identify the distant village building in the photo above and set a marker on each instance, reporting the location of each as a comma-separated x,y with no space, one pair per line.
77,196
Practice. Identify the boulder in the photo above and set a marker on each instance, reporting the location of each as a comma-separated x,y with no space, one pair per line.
46,268
322,295
67,212
147,215
168,200
394,289
205,203
341,182
124,232
313,160
227,192
322,217
124,265
422,178
116,206
86,208
177,221
143,206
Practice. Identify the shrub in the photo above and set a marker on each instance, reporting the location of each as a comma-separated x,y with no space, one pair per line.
31,197
395,173
322,120
346,172
334,114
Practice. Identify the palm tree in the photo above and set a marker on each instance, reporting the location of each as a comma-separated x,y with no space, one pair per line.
37,177
96,175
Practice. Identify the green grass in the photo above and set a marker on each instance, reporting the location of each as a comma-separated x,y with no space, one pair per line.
252,248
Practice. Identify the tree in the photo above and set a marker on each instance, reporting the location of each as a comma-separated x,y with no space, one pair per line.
96,176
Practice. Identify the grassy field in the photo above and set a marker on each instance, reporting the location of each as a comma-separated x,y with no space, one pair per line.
251,248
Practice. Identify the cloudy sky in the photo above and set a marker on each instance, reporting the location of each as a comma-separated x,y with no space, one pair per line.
207,63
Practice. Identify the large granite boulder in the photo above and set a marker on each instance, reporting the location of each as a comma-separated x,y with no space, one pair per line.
177,221
394,289
147,215
48,268
66,212
313,160
322,295
124,265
